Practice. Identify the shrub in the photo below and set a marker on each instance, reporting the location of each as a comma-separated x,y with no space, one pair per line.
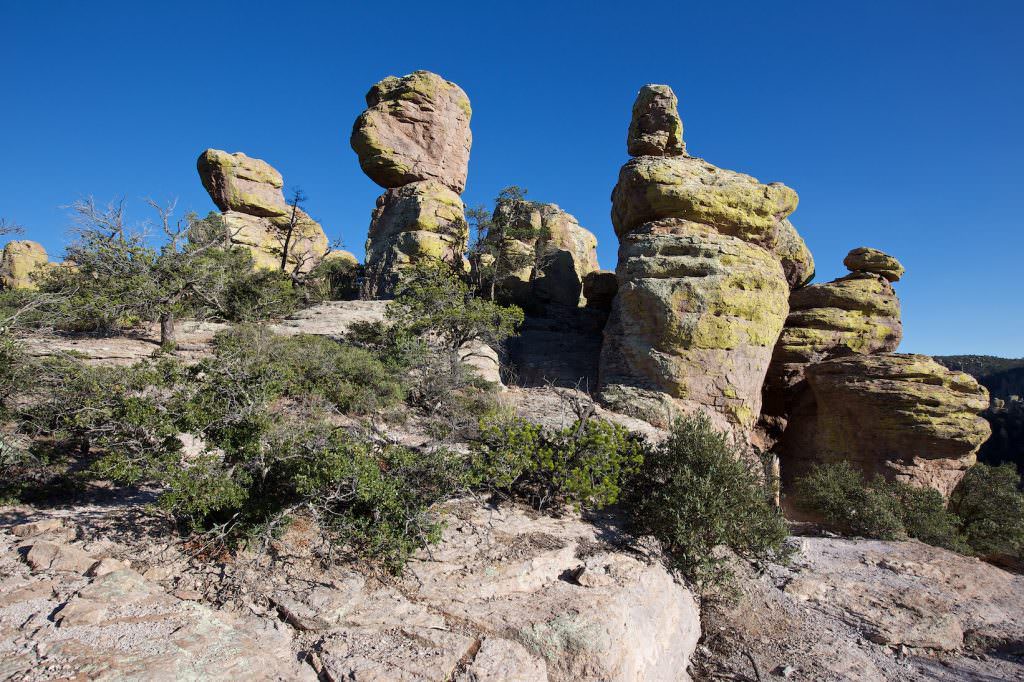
839,493
924,516
353,379
695,495
582,465
991,508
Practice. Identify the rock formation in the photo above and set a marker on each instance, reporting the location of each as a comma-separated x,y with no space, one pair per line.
19,260
706,262
414,139
903,416
255,211
556,259
855,314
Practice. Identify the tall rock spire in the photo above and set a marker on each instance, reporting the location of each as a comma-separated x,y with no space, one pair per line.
414,139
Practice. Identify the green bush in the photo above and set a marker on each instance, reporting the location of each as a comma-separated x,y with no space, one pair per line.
353,379
695,495
839,493
991,508
582,465
893,510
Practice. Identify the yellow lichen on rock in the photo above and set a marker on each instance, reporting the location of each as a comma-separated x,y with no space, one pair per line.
20,260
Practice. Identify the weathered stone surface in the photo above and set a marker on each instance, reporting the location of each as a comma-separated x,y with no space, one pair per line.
342,256
908,592
599,289
264,237
19,260
651,188
419,221
792,252
507,569
656,129
239,183
855,314
414,128
256,214
864,259
558,257
58,624
903,416
55,556
693,324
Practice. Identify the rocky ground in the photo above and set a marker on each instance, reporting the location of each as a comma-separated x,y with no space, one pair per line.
103,589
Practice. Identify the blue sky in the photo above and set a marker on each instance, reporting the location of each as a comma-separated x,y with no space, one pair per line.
899,123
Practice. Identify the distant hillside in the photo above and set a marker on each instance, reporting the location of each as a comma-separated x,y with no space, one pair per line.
1004,378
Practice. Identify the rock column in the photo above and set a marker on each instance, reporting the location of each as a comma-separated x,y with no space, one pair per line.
706,263
414,140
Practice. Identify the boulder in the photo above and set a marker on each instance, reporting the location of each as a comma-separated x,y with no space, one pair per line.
792,252
653,187
599,289
20,259
414,139
264,237
864,259
656,129
414,128
557,256
706,263
905,417
256,214
239,183
693,324
414,222
855,314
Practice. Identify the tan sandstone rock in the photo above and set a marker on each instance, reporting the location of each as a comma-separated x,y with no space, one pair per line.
414,222
865,259
414,128
855,314
256,213
414,139
693,324
19,260
706,262
656,129
905,417
558,257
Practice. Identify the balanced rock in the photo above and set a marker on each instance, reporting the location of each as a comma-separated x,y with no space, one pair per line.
656,129
905,417
256,214
414,139
20,259
864,259
421,220
855,314
556,258
236,182
414,128
702,285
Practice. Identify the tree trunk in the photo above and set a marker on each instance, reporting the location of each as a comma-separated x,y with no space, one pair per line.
168,339
288,237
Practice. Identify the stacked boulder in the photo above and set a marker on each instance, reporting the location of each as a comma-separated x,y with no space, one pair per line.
556,259
255,211
20,259
706,263
414,140
836,392
855,314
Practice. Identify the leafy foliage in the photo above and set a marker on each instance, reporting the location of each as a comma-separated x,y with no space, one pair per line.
990,505
694,494
985,513
583,465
